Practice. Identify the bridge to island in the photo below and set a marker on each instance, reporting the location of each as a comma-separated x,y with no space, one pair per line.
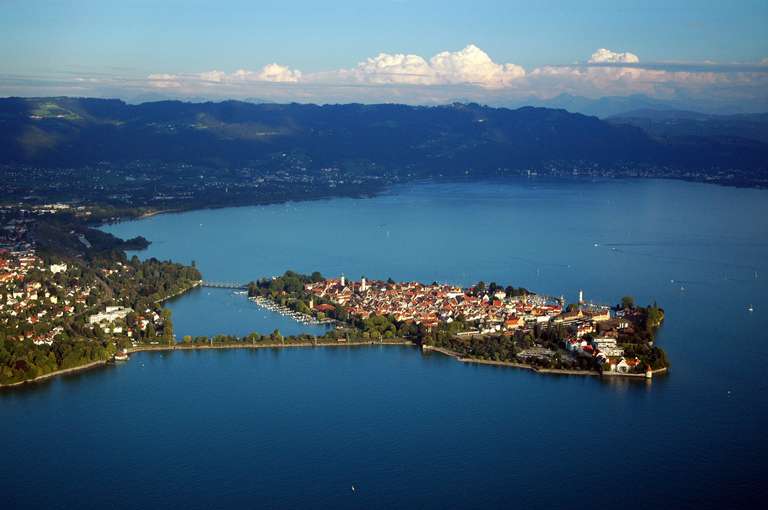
224,285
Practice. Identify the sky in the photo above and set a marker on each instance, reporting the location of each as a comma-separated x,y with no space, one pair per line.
412,51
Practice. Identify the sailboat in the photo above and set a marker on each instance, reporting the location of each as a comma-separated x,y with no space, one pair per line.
750,309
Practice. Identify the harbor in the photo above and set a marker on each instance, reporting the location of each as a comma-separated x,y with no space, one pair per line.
302,318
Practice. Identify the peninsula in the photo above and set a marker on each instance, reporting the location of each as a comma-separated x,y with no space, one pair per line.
70,298
488,323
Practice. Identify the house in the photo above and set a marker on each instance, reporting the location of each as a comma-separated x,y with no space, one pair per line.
625,365
575,345
58,268
110,314
601,315
514,322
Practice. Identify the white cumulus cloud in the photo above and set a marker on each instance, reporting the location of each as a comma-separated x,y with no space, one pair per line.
397,68
164,81
279,74
604,56
471,66
213,76
271,72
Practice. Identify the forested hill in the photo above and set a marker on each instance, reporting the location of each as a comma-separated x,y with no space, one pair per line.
446,139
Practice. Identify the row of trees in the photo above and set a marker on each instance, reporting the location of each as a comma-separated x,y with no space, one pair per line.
24,360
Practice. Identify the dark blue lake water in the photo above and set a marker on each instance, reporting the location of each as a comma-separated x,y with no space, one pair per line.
300,427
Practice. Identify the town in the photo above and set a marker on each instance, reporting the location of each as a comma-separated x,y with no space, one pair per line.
77,304
581,330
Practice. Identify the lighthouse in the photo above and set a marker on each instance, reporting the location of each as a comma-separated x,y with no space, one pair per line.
343,281
581,297
363,285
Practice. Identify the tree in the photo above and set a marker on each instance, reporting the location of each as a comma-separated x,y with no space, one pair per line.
167,326
627,302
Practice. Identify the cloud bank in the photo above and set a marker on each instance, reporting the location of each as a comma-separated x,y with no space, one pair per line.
468,74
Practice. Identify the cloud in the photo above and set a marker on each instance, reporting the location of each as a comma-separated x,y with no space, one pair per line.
468,74
274,73
164,81
471,66
604,56
213,76
385,68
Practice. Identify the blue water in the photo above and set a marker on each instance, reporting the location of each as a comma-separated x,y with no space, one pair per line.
298,428
212,311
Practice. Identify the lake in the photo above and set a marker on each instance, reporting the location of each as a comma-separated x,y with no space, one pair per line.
301,427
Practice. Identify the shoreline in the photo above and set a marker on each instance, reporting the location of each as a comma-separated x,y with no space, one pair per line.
56,373
525,366
201,347
429,180
247,203
368,343
195,285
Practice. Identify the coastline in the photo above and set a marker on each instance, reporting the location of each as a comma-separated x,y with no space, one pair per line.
179,293
368,343
525,366
56,373
194,347
255,202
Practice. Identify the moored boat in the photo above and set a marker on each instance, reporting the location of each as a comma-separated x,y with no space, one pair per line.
121,355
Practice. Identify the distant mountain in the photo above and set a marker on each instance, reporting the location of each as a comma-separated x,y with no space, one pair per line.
601,107
443,139
610,106
677,123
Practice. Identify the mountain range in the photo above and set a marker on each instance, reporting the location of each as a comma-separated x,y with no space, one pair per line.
449,139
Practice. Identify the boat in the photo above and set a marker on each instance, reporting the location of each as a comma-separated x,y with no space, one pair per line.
750,309
121,355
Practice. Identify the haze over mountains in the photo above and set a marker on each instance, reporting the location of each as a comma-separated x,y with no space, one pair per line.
608,106
447,139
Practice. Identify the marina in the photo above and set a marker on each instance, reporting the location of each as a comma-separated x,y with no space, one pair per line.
302,318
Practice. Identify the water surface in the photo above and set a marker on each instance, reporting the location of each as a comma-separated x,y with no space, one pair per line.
299,427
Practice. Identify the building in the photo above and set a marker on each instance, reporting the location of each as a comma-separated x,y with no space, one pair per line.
58,268
109,315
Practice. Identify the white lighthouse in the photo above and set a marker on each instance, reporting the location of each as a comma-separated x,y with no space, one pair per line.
363,285
581,297
343,281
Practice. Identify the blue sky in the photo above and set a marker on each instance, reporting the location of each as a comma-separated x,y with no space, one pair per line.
46,43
